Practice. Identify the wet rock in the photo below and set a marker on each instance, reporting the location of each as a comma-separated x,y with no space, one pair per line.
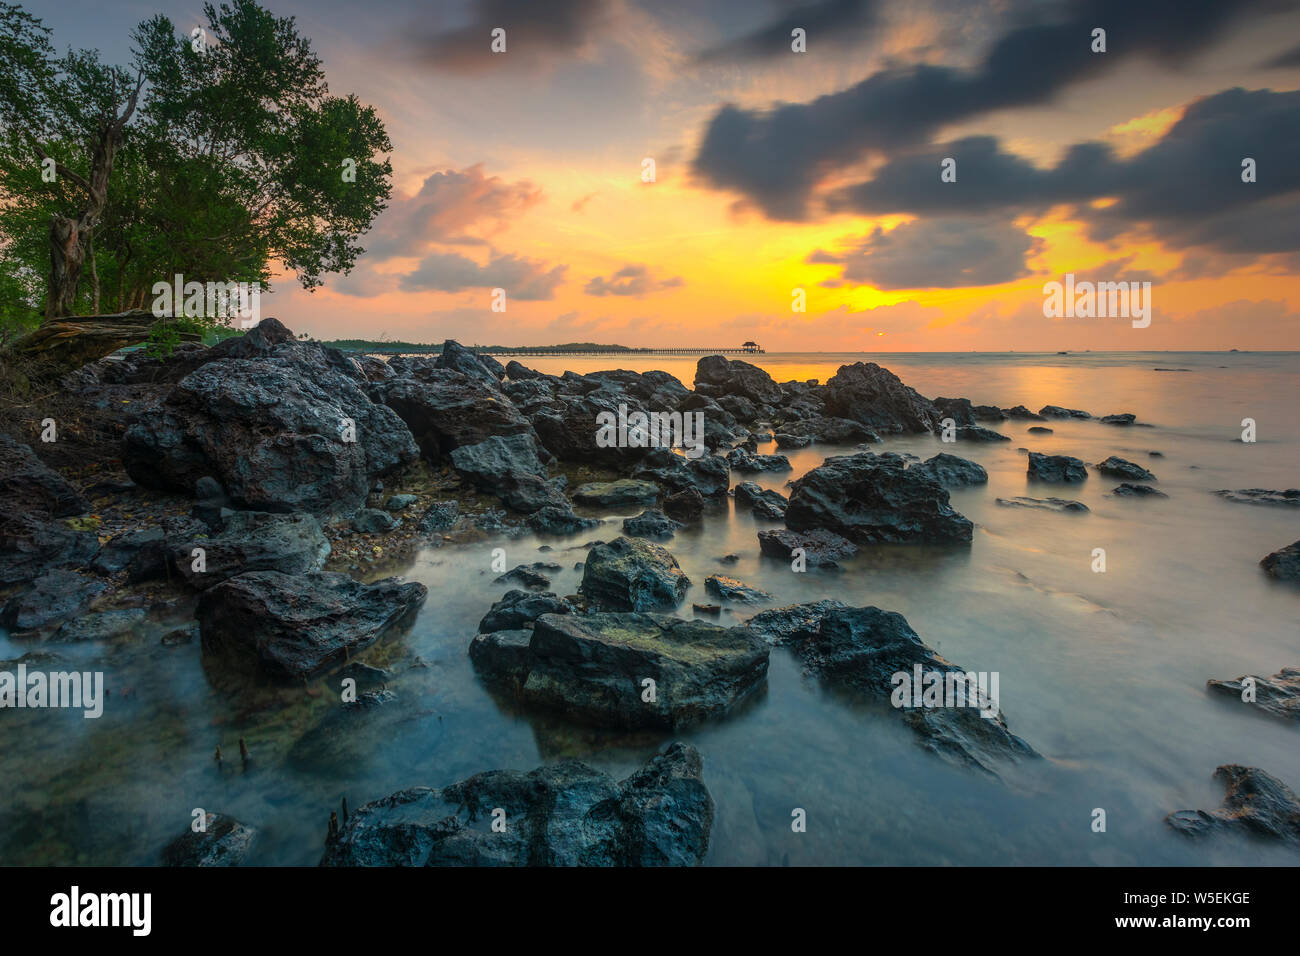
717,376
257,541
1056,411
959,410
558,520
1039,430
591,667
1290,498
1020,413
763,503
1046,504
794,622
564,814
27,485
332,744
373,521
631,574
713,610
100,626
298,626
730,589
509,466
1058,469
874,499
1256,804
31,545
51,599
612,494
951,471
366,676
448,409
875,397
400,502
651,524
710,475
745,463
1130,490
532,576
988,413
1126,418
821,548
441,516
786,440
1120,468
224,842
685,506
517,610
979,433
827,431
1278,695
1283,564
864,648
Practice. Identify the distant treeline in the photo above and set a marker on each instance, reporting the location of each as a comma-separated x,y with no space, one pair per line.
368,345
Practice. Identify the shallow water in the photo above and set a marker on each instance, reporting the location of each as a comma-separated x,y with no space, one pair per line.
1103,673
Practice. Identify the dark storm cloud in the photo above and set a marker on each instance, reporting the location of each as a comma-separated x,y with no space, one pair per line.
830,21
533,31
1186,188
775,157
633,279
1290,58
937,254
525,279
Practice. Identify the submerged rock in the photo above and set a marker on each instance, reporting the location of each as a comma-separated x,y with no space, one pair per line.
51,599
224,842
730,589
871,499
1058,469
1046,504
821,548
1056,411
762,503
564,814
592,667
1278,695
979,433
1125,418
1130,490
1116,467
557,520
685,506
1283,564
1290,498
298,626
651,524
100,626
746,463
532,576
631,574
794,622
1256,803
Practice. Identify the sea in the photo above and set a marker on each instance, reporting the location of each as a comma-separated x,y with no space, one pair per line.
1103,672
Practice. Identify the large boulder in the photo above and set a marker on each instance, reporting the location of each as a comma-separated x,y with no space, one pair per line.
875,397
299,626
951,471
594,668
710,475
632,574
456,357
509,466
717,376
27,485
447,409
873,499
564,814
288,429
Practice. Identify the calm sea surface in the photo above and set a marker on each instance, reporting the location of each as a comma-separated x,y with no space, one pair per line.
1103,673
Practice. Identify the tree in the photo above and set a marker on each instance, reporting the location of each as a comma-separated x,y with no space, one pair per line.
214,156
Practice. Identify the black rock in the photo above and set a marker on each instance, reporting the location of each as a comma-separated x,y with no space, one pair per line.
729,589
257,541
786,440
1130,490
613,494
1127,418
564,814
875,397
763,503
792,623
1278,695
100,626
531,576
1283,564
979,433
31,545
717,376
1058,469
1056,411
1257,804
373,521
1290,498
631,574
441,516
224,842
685,506
951,471
1046,504
299,626
558,520
1021,413
751,464
27,485
51,599
874,499
1120,468
518,610
651,524
821,548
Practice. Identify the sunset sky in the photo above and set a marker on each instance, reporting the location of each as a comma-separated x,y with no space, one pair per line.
777,170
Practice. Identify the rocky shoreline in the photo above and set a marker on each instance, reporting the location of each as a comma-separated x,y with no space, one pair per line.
258,494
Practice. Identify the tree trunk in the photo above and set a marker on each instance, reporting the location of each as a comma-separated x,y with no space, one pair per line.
67,252
65,345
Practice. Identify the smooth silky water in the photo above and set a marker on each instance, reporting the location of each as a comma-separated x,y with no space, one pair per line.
1103,673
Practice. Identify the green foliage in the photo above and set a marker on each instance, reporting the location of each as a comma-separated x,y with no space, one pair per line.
166,335
232,163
